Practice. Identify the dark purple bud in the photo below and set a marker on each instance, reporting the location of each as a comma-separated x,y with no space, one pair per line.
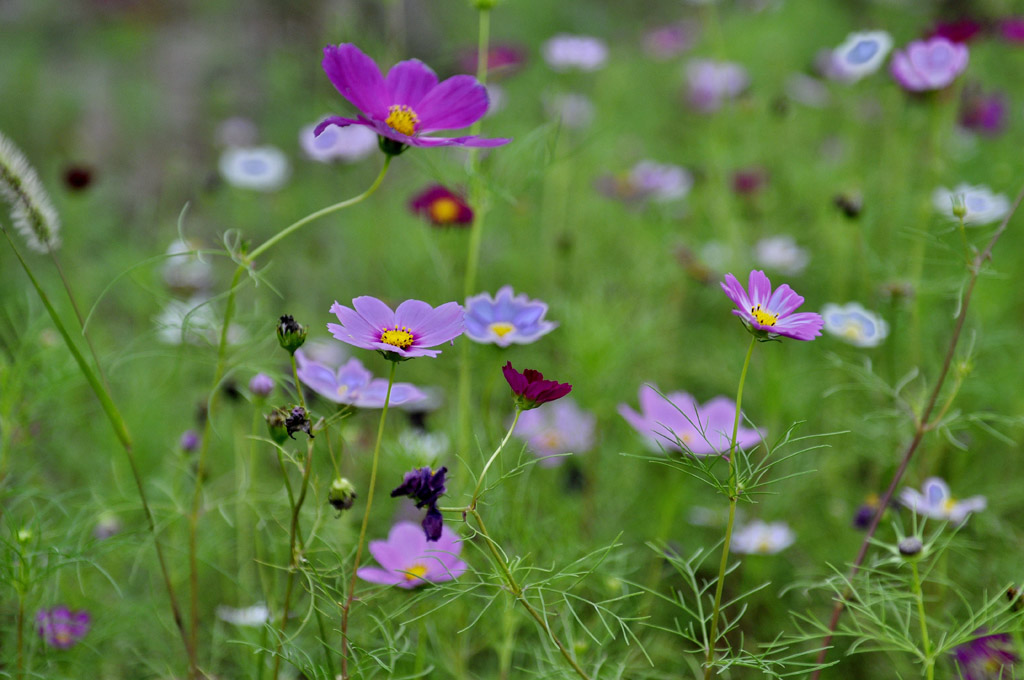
423,486
290,334
298,421
433,523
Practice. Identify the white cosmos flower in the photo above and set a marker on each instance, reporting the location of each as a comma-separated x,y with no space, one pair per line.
782,254
347,144
565,52
983,206
860,55
253,616
574,110
854,324
762,538
935,501
260,168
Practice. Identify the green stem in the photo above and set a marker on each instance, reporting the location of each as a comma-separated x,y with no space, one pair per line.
362,531
963,237
517,591
21,635
929,661
733,497
78,315
121,432
494,456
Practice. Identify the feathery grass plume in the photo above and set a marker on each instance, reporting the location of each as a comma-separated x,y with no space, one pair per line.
32,212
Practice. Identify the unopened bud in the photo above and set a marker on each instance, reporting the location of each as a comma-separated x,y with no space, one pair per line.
290,334
959,206
911,546
342,495
277,424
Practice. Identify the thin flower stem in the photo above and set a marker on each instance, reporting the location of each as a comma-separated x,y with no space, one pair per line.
121,432
494,456
963,237
21,634
517,591
475,233
922,425
925,643
78,315
733,497
362,531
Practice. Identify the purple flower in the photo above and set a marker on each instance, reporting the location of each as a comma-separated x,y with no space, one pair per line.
530,389
648,180
408,103
189,441
261,385
769,315
566,52
983,113
1012,29
559,428
62,628
928,65
676,421
425,487
352,384
502,60
670,41
985,658
710,83
402,334
407,560
937,502
959,31
442,207
506,318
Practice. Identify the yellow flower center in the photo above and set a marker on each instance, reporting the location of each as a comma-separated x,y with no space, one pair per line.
444,210
415,572
399,337
763,316
551,439
764,546
501,328
402,118
342,389
948,505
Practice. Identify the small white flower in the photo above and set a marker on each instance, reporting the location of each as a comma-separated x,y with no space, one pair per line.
762,538
861,55
253,616
574,110
185,271
938,503
660,182
565,52
854,324
426,447
192,322
782,254
347,144
261,168
982,205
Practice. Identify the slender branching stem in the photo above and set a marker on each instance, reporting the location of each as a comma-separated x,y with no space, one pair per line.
346,610
121,432
734,493
922,425
926,645
78,315
494,456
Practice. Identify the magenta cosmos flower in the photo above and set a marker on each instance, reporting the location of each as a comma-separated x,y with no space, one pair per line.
928,65
530,389
676,420
407,560
769,315
61,627
406,104
405,333
442,207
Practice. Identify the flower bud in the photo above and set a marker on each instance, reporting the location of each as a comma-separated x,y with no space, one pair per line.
959,206
298,421
290,334
189,441
24,535
277,424
911,546
261,385
342,494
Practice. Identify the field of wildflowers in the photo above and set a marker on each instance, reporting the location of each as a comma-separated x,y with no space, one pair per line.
511,339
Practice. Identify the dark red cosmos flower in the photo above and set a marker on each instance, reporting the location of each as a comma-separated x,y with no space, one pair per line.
442,207
959,31
530,389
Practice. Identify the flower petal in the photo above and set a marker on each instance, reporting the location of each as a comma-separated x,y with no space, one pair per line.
357,78
376,314
455,103
760,289
408,81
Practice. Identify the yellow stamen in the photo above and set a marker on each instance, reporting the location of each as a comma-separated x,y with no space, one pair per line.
399,337
402,118
342,389
764,546
763,316
551,439
501,328
444,210
415,572
948,505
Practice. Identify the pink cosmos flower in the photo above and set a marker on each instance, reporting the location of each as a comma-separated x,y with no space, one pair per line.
405,333
353,384
406,104
677,419
928,65
769,315
407,560
562,427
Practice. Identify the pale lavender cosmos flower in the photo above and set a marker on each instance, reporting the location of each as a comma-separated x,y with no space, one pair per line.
981,204
352,384
405,333
769,315
261,385
854,324
989,657
670,41
566,52
556,428
408,103
781,253
506,318
677,419
648,180
928,65
407,560
860,55
62,628
346,144
260,168
762,538
935,501
710,83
